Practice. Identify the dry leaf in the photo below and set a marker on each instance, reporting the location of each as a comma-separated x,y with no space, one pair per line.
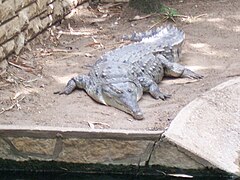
92,124
136,18
88,55
17,95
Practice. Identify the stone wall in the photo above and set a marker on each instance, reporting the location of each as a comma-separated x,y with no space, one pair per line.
80,146
23,20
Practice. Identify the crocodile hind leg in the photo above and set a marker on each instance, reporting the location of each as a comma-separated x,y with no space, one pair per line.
177,70
152,87
80,82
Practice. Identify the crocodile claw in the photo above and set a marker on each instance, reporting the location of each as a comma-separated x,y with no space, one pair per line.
156,93
63,92
163,96
71,85
190,74
160,95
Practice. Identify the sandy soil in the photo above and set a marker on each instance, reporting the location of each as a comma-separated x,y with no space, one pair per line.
211,48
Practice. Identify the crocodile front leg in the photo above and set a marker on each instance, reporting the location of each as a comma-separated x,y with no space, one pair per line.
152,87
177,70
80,82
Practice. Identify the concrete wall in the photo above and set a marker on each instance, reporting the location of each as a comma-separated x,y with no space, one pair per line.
22,20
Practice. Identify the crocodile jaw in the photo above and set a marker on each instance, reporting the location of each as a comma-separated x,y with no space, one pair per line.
130,107
123,96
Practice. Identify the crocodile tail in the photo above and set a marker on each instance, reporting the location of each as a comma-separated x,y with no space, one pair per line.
167,35
139,36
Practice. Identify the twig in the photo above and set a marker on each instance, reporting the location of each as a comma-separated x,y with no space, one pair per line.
32,80
190,18
72,41
25,83
17,95
69,55
154,25
92,124
3,85
95,42
15,65
89,55
199,16
27,69
172,18
12,106
60,50
76,33
233,75
63,52
136,18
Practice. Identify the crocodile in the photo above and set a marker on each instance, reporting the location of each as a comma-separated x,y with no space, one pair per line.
120,77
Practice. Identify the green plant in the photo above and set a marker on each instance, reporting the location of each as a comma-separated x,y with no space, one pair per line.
168,13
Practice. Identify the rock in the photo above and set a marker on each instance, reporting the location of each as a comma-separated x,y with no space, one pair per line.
209,127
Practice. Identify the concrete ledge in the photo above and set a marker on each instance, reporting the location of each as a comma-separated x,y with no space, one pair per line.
53,132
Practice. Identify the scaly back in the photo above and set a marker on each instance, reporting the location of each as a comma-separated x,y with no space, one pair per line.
166,40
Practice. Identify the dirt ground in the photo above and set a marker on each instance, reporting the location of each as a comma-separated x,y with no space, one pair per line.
27,96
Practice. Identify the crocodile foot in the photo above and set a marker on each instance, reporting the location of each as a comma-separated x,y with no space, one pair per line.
157,94
71,85
161,96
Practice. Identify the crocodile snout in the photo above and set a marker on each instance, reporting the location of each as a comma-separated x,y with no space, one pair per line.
123,96
138,115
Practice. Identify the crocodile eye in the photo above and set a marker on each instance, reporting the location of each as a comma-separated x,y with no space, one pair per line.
129,90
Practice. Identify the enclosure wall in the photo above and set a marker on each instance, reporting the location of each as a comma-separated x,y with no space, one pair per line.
23,20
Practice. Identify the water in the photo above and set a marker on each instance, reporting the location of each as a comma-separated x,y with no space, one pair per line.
63,176
78,176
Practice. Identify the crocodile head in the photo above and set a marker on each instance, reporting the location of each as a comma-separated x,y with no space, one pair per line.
123,96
